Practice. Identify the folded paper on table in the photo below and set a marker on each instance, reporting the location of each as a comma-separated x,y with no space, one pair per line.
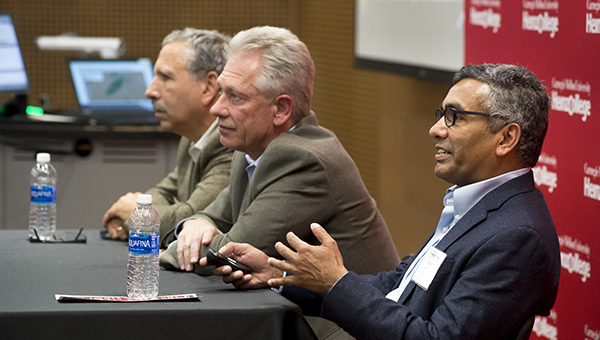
99,298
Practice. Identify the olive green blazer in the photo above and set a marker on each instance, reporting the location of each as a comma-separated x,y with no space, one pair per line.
305,175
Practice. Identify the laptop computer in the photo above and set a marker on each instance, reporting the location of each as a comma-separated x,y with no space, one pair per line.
112,91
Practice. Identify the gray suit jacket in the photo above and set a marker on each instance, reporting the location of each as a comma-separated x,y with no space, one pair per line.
502,266
191,187
304,176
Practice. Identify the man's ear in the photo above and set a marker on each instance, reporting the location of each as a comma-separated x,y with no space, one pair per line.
282,105
211,88
509,138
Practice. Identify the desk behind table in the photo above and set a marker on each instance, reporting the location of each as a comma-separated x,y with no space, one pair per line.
31,273
103,162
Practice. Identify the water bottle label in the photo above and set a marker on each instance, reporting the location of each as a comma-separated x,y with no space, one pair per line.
43,194
143,244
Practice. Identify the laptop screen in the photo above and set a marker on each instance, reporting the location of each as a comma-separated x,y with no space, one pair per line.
111,84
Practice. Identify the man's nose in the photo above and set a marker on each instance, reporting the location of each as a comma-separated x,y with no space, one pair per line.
439,129
151,91
218,110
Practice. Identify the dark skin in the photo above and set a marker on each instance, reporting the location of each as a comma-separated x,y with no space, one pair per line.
313,267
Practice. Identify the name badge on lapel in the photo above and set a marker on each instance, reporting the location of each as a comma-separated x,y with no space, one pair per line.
428,267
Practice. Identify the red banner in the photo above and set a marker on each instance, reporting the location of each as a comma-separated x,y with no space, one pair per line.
559,40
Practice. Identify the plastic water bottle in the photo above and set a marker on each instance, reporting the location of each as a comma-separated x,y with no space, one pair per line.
144,237
42,211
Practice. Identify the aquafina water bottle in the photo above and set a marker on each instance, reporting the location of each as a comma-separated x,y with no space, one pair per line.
42,211
144,237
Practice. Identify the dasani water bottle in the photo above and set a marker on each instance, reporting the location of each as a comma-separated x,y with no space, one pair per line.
42,211
144,236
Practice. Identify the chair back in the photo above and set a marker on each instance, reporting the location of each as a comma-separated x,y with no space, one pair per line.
525,330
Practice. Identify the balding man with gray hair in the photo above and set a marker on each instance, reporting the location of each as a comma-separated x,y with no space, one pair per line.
183,90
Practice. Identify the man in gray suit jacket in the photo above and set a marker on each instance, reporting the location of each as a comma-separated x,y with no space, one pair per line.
287,171
492,262
183,90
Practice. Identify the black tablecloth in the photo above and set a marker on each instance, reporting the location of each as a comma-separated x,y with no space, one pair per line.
31,273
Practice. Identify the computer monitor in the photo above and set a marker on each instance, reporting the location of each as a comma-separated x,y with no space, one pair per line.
13,77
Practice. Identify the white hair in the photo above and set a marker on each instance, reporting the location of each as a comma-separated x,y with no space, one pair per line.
286,65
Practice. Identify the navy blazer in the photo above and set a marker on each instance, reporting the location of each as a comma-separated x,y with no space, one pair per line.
502,266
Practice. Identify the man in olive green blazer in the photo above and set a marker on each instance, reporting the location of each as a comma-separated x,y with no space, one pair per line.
287,171
183,90
304,176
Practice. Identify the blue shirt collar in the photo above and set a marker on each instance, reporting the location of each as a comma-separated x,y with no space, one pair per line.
252,164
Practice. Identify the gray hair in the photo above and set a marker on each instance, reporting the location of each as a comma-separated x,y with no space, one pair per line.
206,50
286,65
516,96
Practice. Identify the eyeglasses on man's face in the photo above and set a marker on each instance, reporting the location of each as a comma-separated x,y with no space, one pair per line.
450,113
